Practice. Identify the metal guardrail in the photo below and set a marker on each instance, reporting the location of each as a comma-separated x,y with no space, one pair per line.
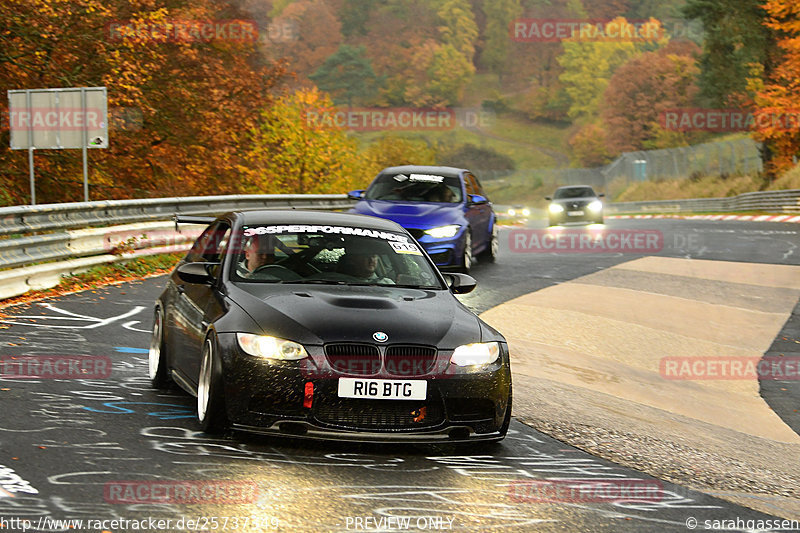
54,217
779,201
44,242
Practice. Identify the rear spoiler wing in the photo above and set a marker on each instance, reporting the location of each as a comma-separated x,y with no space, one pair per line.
189,219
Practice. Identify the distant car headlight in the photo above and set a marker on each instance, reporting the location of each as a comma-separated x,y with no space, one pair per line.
595,205
512,212
271,347
443,232
556,208
479,353
526,212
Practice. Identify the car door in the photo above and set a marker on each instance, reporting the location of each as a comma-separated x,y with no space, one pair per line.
194,302
479,215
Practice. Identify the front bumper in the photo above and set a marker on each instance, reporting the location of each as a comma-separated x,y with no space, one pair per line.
269,397
581,214
444,252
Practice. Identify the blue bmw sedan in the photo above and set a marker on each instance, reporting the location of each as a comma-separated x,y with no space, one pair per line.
444,208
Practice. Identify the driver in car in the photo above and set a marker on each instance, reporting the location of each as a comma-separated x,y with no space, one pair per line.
361,261
259,252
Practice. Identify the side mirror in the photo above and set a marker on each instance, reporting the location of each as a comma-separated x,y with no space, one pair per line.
477,199
601,195
356,194
548,198
196,273
460,283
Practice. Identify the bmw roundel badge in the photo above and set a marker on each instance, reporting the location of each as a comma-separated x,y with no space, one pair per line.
380,336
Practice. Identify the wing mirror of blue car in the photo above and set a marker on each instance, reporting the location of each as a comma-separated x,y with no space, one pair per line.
197,273
548,197
601,195
460,283
478,199
356,195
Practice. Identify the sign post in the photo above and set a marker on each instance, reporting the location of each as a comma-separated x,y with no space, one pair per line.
58,119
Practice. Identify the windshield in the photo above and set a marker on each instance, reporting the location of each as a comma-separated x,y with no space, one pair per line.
335,255
575,192
415,188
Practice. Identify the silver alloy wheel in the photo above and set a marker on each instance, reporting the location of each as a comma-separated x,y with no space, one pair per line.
495,244
204,381
154,353
467,261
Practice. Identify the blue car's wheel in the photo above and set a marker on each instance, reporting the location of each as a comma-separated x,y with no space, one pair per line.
490,253
466,256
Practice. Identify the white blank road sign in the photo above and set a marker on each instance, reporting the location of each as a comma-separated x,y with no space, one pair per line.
56,119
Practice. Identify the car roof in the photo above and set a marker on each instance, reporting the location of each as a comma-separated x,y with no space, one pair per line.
576,187
442,171
304,216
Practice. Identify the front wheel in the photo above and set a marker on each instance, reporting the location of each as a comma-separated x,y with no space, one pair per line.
490,254
466,257
157,354
210,400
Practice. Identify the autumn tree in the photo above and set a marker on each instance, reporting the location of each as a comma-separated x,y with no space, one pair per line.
735,39
194,95
348,76
641,90
588,67
777,97
497,42
317,36
294,150
393,150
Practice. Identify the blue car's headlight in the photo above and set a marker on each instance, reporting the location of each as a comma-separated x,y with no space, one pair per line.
271,347
479,353
556,208
443,232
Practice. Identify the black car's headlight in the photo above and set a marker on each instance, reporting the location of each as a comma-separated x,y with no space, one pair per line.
595,206
443,232
271,347
476,354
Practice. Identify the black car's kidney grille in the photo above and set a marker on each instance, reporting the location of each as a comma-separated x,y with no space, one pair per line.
379,414
357,359
410,360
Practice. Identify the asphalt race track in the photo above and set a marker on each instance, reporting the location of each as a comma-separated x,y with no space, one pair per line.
112,448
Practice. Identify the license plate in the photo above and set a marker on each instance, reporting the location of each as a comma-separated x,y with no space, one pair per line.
383,389
575,213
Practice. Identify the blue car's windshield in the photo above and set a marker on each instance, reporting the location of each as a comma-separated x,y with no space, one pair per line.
413,187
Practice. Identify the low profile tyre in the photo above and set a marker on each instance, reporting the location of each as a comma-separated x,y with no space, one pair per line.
490,254
157,354
466,257
210,399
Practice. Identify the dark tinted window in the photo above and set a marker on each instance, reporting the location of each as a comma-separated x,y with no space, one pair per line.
211,244
415,187
575,192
